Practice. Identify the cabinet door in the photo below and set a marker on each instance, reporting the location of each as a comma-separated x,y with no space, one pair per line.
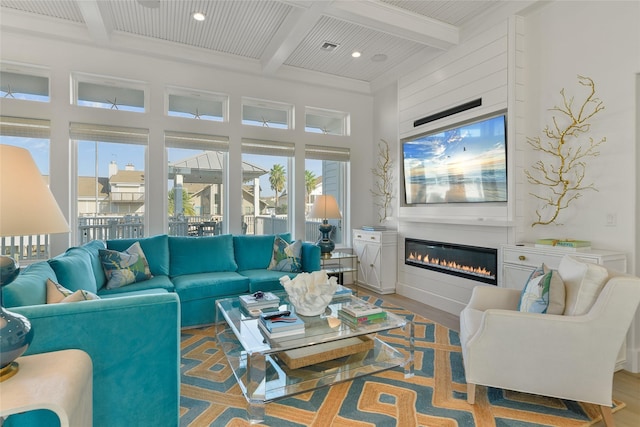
369,255
515,276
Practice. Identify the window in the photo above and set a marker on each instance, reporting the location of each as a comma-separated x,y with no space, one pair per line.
109,93
267,114
24,82
326,172
327,122
197,105
33,135
196,174
266,186
110,181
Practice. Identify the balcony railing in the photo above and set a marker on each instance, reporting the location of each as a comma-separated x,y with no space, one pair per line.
33,248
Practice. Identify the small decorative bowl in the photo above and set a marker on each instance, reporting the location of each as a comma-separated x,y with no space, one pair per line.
310,293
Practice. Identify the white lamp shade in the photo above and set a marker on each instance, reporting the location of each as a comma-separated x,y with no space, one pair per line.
27,206
325,207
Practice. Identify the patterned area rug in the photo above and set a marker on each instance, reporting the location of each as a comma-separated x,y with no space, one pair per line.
435,396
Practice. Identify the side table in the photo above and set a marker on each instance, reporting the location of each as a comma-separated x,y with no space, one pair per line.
60,381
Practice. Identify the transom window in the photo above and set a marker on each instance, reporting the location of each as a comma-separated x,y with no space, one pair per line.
24,82
269,114
109,93
327,122
197,105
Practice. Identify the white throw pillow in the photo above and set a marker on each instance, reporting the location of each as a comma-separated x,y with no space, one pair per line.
583,283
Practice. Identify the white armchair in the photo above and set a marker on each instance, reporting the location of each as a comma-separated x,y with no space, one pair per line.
565,356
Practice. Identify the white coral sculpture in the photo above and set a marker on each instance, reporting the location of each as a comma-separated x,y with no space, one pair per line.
310,293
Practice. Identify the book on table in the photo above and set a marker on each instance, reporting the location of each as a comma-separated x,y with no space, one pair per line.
281,326
342,292
360,308
363,320
267,300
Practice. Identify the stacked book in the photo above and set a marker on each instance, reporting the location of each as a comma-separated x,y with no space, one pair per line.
342,292
566,244
278,324
374,227
361,313
259,301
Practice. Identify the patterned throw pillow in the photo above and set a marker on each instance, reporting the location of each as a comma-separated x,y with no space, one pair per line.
56,293
124,268
543,293
286,256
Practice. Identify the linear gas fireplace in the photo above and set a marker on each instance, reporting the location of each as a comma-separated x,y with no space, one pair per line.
471,262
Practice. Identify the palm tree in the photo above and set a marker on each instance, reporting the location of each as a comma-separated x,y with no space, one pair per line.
187,203
277,179
309,182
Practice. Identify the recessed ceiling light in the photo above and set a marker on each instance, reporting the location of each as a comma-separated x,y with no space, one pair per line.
356,54
199,16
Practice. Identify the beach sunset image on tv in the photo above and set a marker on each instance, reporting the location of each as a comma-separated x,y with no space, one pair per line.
464,164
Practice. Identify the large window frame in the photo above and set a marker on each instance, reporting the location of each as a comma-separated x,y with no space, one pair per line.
204,150
107,226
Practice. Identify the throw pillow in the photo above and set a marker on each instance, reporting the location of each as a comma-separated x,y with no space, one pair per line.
124,268
56,293
286,256
584,282
543,293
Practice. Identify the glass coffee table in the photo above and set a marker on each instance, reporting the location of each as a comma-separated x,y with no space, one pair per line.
270,369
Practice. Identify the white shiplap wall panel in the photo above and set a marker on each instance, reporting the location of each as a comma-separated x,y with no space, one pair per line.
463,66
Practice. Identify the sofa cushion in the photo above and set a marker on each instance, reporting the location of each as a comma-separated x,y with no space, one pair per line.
124,268
162,283
213,284
30,287
583,283
265,280
543,293
255,251
286,256
74,271
155,248
193,255
93,248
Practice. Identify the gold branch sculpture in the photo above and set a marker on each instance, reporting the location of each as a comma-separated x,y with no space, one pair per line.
383,187
563,175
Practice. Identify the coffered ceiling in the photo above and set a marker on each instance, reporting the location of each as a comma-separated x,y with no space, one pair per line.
273,35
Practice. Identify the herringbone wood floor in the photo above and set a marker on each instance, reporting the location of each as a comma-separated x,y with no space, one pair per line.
626,386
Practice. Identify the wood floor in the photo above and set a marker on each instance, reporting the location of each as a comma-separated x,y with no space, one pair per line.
626,386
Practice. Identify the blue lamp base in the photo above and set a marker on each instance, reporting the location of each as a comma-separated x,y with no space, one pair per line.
325,243
15,330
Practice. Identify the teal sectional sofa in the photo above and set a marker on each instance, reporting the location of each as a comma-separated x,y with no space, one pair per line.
132,333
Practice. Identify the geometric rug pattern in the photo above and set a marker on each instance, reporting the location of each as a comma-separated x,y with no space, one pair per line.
434,397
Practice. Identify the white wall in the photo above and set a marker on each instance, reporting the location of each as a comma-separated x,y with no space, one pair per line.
62,58
542,52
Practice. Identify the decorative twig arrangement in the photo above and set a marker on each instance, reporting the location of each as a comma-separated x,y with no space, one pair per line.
383,187
564,173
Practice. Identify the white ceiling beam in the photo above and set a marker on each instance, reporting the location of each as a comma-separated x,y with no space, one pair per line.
97,17
290,34
397,22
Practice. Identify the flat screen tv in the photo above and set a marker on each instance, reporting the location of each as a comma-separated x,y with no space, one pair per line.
466,163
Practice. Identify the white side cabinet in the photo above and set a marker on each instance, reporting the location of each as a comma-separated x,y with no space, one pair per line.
377,259
518,261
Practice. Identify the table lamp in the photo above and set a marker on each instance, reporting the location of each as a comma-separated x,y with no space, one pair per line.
325,207
27,208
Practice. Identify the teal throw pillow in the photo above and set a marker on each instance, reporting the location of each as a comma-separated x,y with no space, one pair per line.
124,268
543,293
286,256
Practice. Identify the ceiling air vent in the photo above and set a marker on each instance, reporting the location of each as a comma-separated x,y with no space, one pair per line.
329,46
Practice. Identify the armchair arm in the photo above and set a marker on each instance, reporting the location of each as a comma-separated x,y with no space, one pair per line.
134,344
486,297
